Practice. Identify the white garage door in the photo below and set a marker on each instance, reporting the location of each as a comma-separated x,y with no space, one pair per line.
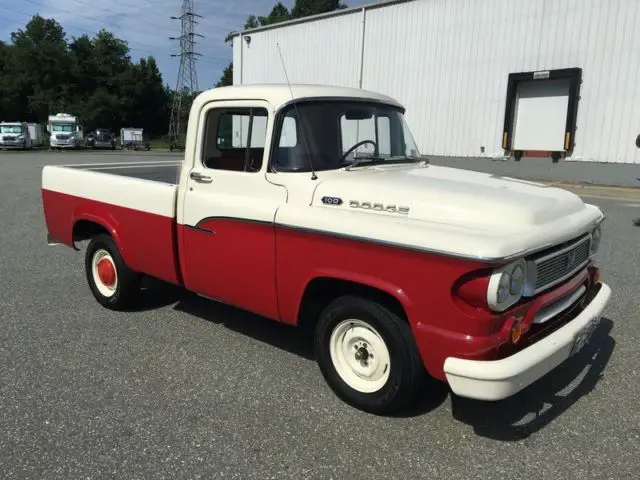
541,115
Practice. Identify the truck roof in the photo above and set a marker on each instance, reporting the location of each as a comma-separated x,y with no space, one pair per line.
279,94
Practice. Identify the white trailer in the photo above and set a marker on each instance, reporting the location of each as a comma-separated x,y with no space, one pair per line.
133,138
65,130
36,132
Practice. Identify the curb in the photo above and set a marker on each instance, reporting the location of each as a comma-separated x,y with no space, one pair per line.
610,192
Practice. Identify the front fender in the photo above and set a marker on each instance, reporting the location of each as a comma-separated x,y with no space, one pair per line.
374,282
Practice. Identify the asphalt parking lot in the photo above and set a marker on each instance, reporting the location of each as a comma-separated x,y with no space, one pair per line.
186,388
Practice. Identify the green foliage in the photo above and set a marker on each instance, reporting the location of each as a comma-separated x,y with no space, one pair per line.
41,73
280,13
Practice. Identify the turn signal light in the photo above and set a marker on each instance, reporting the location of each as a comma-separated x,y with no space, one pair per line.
516,330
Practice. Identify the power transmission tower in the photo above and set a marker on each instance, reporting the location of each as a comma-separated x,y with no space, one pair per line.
187,81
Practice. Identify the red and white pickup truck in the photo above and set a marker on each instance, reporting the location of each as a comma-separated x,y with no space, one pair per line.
311,205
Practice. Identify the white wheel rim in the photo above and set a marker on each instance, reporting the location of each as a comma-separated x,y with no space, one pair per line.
103,288
360,355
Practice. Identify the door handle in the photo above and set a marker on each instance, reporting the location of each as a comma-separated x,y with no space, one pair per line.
198,177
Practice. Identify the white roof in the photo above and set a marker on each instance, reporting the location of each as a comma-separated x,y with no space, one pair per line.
279,93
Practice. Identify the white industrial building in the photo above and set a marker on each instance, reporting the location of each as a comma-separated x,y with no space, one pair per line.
478,77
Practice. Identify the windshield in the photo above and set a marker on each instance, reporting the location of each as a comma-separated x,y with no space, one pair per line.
10,129
63,127
336,134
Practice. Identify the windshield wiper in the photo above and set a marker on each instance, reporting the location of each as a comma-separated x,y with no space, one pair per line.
373,160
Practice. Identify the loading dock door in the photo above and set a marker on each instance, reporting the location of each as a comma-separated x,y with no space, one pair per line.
541,115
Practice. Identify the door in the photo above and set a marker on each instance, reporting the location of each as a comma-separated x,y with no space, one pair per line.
541,115
227,232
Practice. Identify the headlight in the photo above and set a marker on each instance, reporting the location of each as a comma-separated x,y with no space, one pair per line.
596,236
503,287
506,285
517,280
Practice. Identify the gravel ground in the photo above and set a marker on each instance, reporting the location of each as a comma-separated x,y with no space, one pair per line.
186,388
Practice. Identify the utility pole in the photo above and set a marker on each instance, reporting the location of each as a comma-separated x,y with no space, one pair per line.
187,81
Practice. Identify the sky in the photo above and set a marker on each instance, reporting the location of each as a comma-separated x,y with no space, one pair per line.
146,26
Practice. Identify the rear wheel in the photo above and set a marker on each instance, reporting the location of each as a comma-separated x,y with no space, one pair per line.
367,355
113,284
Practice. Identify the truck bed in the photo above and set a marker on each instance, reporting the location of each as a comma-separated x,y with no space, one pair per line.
134,202
156,171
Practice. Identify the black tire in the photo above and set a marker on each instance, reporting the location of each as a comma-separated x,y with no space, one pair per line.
406,371
128,282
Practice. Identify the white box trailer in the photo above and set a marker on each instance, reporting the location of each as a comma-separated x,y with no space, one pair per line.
129,136
36,132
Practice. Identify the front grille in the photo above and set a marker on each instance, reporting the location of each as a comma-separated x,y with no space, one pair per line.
62,137
556,266
8,139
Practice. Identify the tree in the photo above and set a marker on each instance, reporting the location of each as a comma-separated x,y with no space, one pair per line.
227,76
304,8
41,73
280,13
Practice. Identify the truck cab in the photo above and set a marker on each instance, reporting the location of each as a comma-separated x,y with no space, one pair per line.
65,131
15,135
312,206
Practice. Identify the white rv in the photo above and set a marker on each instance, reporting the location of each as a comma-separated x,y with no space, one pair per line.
65,131
14,135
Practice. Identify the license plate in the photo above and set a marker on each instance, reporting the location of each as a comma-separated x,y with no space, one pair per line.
583,336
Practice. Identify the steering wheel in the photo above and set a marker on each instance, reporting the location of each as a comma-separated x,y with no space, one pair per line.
359,144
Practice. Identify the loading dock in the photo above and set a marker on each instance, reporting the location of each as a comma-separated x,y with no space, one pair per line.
540,113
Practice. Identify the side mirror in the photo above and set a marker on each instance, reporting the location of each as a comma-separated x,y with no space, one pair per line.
638,141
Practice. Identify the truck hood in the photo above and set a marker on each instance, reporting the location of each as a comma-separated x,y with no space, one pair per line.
448,196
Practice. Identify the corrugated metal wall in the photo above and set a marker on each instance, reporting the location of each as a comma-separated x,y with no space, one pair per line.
448,62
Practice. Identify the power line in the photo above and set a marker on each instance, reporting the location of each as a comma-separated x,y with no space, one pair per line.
187,81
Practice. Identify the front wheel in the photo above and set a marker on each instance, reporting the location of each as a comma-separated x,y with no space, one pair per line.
367,355
113,284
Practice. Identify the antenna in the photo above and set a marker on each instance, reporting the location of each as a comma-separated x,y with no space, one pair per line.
304,137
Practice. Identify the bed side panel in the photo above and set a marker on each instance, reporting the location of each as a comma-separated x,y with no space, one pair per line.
139,214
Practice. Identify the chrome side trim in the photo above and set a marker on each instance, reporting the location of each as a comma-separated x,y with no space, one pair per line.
386,243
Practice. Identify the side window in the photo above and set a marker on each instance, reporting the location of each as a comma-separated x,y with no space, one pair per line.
239,134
